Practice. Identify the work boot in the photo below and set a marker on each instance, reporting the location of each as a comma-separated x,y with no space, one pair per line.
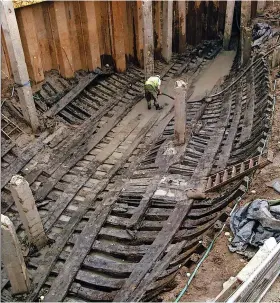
158,107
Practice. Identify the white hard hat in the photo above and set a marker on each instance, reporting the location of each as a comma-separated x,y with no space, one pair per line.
158,76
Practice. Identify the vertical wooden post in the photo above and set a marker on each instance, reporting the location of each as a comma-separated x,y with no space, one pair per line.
261,6
148,38
18,65
62,38
246,44
12,258
158,26
167,30
28,212
30,43
182,25
5,63
180,112
90,30
246,34
118,35
245,13
139,35
228,23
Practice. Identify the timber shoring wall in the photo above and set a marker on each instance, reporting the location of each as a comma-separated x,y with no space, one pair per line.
72,35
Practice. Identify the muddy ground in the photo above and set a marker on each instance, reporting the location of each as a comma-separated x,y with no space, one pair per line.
221,264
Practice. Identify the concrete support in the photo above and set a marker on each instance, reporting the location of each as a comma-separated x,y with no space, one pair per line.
148,38
246,34
90,30
17,61
182,25
118,35
167,30
12,258
28,212
228,23
261,6
62,38
180,112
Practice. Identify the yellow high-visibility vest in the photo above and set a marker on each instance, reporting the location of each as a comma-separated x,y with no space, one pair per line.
154,81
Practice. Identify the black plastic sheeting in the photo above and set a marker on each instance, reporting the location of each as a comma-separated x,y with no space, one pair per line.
253,223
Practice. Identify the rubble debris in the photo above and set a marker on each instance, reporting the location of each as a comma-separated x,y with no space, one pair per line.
255,222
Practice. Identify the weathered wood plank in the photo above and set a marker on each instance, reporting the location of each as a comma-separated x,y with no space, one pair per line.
69,193
6,147
79,152
27,154
157,270
156,249
80,250
135,220
89,294
100,213
228,143
78,137
106,265
71,95
128,252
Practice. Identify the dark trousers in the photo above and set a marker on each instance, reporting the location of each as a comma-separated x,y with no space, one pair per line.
151,93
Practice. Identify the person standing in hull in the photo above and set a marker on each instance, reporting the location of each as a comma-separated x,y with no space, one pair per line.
152,90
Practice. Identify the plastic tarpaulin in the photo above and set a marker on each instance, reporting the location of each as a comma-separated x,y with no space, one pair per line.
253,224
261,33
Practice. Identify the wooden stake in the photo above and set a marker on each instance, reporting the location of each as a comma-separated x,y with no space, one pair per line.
246,34
180,112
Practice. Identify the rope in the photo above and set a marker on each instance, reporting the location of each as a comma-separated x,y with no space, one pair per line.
16,85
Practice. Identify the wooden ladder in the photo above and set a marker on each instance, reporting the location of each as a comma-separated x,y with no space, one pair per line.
236,171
